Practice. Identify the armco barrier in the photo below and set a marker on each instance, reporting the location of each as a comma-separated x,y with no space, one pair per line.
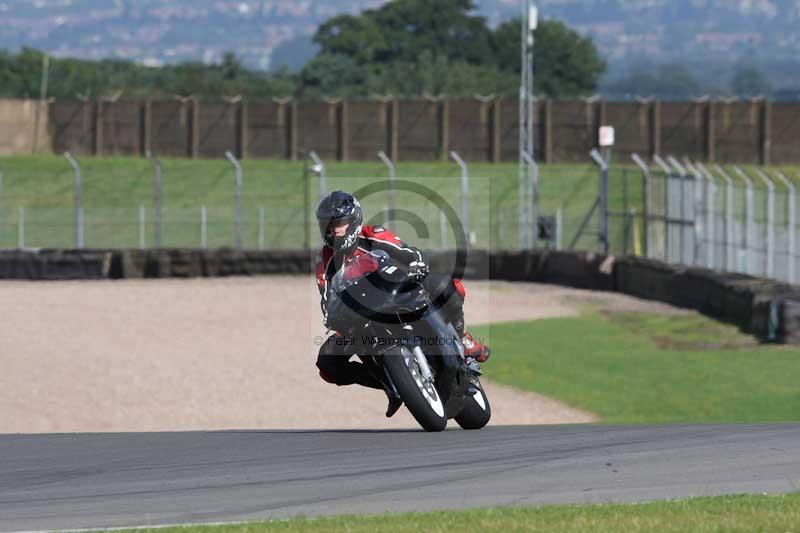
55,264
183,263
789,321
139,264
768,309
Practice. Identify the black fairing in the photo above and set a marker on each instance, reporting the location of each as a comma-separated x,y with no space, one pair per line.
386,303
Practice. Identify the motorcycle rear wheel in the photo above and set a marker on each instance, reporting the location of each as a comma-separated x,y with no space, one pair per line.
422,399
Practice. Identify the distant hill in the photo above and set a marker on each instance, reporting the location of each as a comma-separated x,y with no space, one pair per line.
269,32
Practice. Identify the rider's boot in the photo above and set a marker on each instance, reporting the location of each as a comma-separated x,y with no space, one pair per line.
453,309
395,403
366,379
474,349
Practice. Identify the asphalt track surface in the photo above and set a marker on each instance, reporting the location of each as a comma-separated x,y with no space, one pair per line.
113,480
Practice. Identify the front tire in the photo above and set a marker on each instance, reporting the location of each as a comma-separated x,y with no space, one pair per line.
421,399
476,411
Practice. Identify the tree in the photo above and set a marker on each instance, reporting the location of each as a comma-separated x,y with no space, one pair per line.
408,47
403,29
566,65
678,82
666,82
20,75
405,48
750,82
358,38
442,27
231,66
332,75
293,54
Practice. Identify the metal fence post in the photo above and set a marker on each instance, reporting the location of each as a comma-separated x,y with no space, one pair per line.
523,206
141,227
683,177
770,229
711,213
526,112
1,209
76,169
533,197
749,232
392,177
464,193
603,200
319,170
559,226
711,220
728,220
306,206
156,197
710,192
203,227
791,215
261,236
80,224
238,168
667,170
21,227
646,201
501,230
663,164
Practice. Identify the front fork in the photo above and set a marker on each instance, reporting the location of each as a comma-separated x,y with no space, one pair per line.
422,361
379,372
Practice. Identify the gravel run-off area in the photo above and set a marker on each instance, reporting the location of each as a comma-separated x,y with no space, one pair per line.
210,354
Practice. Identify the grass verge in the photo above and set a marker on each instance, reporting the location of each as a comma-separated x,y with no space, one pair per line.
701,515
644,368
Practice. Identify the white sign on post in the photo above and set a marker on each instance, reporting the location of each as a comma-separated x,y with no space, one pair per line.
606,136
533,18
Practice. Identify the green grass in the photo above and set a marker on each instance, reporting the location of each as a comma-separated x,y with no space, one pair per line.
701,515
114,188
641,368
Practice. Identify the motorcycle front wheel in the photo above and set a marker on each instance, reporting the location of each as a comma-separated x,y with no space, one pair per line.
421,398
476,411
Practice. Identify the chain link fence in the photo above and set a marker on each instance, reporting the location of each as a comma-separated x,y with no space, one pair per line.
140,203
729,219
132,203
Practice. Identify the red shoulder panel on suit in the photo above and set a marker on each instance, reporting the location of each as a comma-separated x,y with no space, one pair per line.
379,233
322,259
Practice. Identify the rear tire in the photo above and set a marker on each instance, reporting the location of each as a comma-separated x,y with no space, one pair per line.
401,366
476,411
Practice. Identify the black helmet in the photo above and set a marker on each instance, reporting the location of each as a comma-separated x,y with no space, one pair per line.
338,206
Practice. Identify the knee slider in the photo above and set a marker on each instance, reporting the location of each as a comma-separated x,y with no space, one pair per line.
327,377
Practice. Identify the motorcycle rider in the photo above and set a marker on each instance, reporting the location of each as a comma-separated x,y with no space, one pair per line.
341,226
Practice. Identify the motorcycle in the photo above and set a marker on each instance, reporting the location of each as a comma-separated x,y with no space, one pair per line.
396,330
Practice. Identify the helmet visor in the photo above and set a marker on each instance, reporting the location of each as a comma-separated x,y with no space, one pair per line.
336,230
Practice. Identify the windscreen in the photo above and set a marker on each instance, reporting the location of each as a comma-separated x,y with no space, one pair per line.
356,268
